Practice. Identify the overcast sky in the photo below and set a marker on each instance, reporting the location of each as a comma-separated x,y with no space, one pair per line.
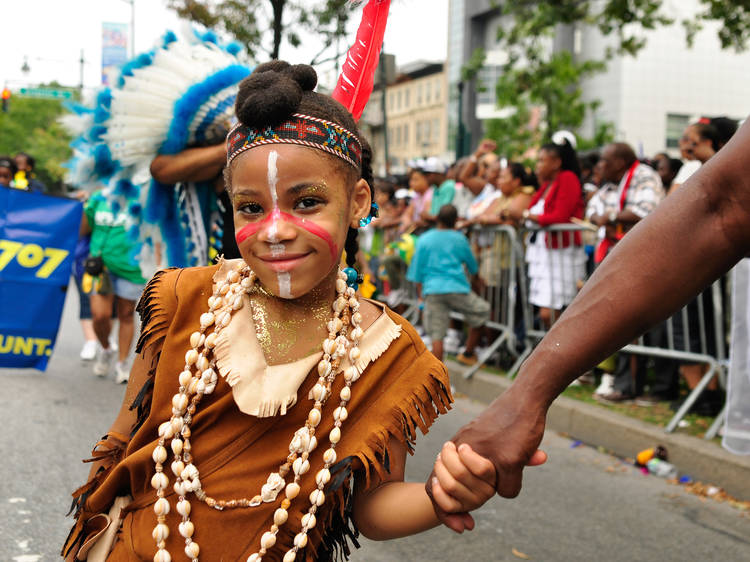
52,33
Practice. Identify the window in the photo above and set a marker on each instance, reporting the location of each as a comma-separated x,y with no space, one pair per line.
391,101
419,132
419,94
398,136
437,90
428,92
436,131
676,125
427,132
406,98
399,95
406,134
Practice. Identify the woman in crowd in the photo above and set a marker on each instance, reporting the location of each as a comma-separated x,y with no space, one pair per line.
556,260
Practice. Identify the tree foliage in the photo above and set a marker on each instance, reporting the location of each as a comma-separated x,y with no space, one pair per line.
263,25
536,76
31,126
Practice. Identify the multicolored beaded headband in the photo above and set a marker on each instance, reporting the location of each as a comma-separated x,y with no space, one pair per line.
300,129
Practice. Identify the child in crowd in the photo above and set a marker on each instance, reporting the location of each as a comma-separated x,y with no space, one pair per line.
438,270
241,436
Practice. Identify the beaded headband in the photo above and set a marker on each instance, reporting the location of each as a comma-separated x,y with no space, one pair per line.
302,130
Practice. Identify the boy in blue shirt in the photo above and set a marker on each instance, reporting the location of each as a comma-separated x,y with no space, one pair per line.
438,270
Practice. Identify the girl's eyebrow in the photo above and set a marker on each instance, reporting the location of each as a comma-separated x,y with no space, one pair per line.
300,187
247,191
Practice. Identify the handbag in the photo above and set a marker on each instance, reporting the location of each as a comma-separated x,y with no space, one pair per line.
97,547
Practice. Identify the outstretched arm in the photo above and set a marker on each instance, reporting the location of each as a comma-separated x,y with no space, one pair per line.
693,237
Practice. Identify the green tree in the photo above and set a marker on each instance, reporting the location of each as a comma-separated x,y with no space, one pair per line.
31,126
535,76
253,22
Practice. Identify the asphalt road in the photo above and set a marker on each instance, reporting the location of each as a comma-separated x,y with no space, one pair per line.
582,505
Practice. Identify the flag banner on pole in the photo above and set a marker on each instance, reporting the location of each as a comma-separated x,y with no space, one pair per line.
38,234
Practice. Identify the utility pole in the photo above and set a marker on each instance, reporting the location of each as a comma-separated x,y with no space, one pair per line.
81,62
383,83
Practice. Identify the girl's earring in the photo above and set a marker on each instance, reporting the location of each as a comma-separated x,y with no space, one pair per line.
374,211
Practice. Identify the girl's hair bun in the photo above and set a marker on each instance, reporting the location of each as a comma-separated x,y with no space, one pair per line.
273,92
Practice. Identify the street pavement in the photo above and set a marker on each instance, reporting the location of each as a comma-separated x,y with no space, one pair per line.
582,505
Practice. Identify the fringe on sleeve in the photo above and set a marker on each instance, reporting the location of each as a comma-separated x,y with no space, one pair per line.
155,312
418,408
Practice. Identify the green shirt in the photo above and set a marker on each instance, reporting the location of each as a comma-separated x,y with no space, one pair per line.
442,195
110,238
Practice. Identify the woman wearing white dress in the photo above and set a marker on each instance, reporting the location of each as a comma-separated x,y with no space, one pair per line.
556,260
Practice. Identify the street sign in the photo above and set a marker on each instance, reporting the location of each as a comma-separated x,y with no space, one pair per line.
48,93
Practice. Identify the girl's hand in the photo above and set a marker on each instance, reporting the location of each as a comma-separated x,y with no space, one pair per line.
463,480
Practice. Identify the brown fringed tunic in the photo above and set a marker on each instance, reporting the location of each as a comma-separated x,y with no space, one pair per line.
405,388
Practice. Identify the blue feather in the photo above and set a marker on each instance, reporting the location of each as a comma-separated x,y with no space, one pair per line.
142,60
188,105
169,37
104,166
234,48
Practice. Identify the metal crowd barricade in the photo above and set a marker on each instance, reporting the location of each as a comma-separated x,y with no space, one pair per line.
702,331
501,253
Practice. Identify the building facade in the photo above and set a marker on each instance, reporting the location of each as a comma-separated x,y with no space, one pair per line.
415,118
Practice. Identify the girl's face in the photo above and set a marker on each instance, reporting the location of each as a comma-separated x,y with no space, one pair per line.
418,182
698,148
547,165
6,175
293,207
507,182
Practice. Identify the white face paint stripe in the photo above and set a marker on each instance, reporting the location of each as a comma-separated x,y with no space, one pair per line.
273,179
285,284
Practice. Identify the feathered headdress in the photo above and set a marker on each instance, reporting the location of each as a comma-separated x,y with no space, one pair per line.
179,94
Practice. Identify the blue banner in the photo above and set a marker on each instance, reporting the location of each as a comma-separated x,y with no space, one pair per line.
38,235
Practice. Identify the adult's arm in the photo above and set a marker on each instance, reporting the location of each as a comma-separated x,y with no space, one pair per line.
193,164
693,237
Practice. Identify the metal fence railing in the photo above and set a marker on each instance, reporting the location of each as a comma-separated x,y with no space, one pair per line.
512,281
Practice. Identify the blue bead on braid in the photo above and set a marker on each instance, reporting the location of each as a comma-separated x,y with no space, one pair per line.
351,277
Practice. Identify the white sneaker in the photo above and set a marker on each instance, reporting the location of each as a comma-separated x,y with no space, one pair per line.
113,343
104,362
88,351
122,373
606,386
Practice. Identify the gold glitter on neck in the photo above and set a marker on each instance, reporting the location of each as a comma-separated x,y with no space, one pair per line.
288,330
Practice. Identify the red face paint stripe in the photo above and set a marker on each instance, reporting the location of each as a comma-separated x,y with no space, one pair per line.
251,229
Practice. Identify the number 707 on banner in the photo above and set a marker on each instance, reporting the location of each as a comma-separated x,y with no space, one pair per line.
31,256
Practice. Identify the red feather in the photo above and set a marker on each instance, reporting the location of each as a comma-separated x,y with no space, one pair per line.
357,74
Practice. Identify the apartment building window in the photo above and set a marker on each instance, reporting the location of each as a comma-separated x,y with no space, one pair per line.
436,131
437,90
428,92
419,94
391,101
399,96
419,132
676,124
427,133
406,134
406,98
398,135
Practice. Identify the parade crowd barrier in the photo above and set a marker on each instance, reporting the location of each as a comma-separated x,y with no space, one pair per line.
697,334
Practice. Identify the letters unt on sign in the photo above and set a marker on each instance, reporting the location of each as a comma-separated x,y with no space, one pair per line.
20,345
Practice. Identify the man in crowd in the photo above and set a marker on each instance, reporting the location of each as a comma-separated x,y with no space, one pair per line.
697,234
631,191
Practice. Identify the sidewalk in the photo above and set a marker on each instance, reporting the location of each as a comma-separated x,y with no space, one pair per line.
703,460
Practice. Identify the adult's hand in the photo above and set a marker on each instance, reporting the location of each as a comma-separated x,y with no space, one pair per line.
507,433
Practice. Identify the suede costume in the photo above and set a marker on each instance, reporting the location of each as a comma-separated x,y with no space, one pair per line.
404,387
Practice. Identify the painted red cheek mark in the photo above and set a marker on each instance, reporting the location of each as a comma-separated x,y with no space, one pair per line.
251,229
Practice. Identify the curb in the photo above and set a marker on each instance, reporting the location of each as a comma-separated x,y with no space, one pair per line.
703,460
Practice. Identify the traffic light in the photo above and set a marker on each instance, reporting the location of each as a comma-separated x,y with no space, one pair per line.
6,99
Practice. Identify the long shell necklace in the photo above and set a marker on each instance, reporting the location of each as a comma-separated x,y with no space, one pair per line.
199,378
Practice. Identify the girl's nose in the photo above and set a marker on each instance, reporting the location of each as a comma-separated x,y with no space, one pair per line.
275,229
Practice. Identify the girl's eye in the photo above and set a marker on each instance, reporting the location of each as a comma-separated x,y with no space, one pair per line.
308,203
250,208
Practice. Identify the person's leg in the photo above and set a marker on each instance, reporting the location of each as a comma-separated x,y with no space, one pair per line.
476,310
472,340
126,318
436,320
101,312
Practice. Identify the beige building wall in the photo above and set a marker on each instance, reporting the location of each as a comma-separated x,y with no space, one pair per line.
417,126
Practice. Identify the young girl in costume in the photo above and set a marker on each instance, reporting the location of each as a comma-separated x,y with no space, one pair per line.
241,437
